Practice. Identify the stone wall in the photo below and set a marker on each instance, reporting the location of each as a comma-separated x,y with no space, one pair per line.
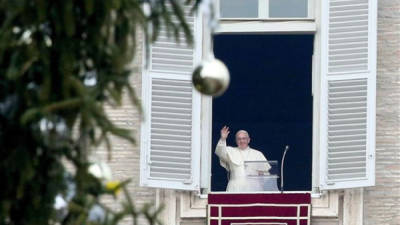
125,157
382,202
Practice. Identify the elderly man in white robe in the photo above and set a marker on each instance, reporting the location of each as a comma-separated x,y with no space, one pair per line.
233,160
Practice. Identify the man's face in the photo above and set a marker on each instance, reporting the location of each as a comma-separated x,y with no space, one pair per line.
242,140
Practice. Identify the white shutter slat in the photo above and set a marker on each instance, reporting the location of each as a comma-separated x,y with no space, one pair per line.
172,110
173,143
171,105
169,169
350,158
348,79
173,137
166,61
344,2
348,13
182,69
171,115
345,29
172,149
346,137
353,23
171,93
169,126
347,132
162,158
177,154
171,164
347,40
169,131
177,90
174,177
346,152
339,116
350,110
358,17
350,50
347,177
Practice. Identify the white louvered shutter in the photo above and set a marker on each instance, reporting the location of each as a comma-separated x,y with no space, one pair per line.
348,90
170,146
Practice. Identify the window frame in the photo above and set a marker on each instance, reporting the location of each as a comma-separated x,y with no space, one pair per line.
325,203
259,27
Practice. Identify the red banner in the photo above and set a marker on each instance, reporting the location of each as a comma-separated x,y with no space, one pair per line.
259,209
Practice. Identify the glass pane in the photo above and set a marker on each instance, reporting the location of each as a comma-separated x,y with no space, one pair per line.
288,8
239,8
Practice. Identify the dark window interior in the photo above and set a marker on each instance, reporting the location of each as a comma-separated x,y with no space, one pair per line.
270,97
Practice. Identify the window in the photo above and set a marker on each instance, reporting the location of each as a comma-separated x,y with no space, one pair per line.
288,8
178,121
270,96
265,9
239,9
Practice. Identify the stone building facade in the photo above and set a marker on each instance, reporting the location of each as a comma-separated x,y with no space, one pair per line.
381,203
371,205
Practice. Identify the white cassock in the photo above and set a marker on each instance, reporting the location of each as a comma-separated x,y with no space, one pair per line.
232,159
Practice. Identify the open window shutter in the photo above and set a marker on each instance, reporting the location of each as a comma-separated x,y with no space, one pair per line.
348,90
170,146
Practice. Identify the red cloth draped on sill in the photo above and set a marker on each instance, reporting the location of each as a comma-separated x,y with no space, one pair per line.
259,209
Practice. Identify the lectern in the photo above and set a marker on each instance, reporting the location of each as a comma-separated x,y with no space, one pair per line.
261,175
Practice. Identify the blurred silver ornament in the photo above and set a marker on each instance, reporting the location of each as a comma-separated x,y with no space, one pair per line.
71,187
211,77
146,8
90,79
100,170
61,201
53,131
61,207
97,214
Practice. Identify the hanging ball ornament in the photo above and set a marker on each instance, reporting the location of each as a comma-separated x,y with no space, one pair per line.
211,77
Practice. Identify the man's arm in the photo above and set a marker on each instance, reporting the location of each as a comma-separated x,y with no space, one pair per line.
221,151
221,146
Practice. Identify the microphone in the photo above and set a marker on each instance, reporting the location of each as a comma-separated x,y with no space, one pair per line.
283,160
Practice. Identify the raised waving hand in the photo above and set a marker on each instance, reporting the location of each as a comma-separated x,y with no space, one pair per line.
224,133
